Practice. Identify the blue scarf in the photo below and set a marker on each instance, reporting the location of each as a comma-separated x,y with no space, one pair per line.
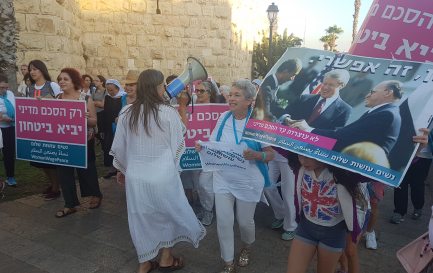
10,110
253,145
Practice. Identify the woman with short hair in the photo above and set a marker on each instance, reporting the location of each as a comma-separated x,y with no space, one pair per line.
241,187
71,83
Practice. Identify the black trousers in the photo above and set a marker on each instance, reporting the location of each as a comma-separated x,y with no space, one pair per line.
88,179
108,141
9,150
415,177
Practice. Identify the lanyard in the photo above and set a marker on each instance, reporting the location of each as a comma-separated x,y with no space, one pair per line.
234,126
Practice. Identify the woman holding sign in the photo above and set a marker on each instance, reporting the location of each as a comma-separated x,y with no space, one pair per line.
241,187
71,84
147,148
42,87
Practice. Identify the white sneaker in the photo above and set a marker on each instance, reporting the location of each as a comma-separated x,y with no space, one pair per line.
370,240
207,217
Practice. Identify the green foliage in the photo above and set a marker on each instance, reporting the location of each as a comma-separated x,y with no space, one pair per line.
280,43
330,39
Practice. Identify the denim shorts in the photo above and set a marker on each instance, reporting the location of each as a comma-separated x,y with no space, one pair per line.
331,238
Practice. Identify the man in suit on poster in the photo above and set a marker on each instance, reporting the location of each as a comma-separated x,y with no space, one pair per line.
380,124
325,110
287,71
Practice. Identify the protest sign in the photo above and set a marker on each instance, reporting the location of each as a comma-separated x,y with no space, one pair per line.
397,30
220,156
350,131
201,122
51,131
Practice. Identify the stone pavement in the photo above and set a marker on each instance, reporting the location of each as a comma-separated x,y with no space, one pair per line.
32,240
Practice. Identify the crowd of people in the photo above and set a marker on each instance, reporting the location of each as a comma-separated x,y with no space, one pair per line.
139,130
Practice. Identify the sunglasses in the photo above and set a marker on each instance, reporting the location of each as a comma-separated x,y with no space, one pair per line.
201,91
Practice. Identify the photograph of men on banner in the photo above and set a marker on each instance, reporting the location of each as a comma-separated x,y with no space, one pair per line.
357,113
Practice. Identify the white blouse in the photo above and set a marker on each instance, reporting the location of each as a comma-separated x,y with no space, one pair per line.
246,185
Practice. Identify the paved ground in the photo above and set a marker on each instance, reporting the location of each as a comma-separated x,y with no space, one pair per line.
33,241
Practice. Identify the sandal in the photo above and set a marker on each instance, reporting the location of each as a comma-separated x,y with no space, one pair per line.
175,265
95,202
65,212
153,265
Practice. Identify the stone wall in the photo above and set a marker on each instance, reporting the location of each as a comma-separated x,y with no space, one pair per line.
50,31
109,37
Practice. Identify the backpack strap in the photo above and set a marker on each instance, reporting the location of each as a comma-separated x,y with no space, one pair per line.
48,83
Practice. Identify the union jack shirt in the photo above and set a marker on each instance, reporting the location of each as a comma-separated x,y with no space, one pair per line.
319,198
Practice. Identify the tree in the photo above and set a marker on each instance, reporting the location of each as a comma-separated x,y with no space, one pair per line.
261,64
357,5
330,39
8,41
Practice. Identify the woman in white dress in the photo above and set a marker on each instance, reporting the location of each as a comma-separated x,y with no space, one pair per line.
241,187
147,147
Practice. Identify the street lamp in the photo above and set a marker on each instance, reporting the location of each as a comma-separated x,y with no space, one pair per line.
272,17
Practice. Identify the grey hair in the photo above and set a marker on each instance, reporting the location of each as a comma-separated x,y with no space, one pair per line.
224,89
395,86
247,87
341,75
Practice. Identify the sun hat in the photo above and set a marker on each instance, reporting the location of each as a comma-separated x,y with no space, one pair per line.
132,77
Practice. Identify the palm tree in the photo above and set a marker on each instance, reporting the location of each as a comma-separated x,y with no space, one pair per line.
357,5
8,41
330,39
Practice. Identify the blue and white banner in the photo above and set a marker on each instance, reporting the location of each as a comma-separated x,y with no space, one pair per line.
218,156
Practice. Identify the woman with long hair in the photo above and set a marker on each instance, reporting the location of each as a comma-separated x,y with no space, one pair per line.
42,87
87,84
147,147
71,84
323,222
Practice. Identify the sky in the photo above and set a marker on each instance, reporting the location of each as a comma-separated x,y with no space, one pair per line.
308,19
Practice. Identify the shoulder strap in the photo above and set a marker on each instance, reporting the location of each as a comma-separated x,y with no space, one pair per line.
48,83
